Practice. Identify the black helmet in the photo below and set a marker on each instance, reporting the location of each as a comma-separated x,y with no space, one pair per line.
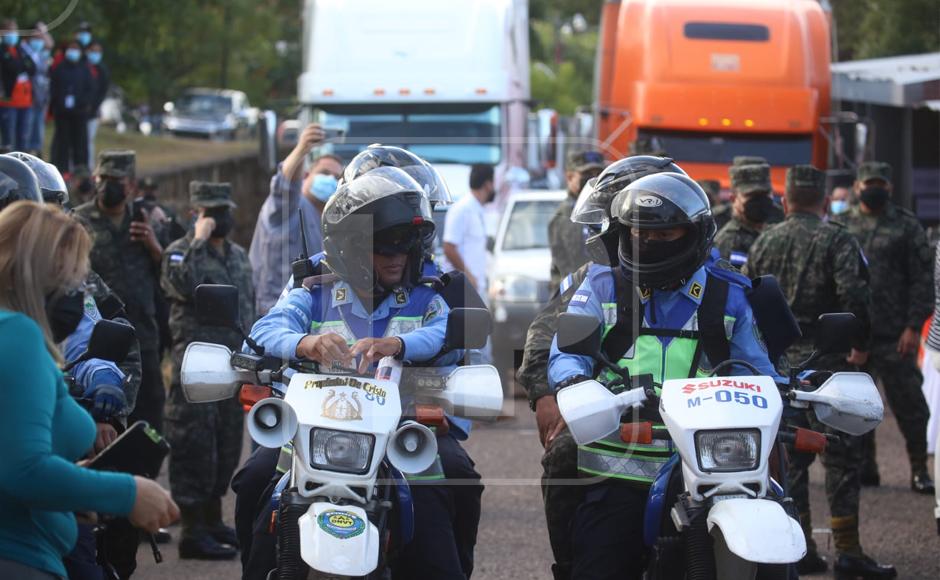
51,185
378,155
384,206
593,205
18,182
656,202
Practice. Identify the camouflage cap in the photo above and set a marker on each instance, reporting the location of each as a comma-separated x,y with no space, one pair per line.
116,164
206,194
712,187
805,177
748,160
648,146
748,178
874,170
581,160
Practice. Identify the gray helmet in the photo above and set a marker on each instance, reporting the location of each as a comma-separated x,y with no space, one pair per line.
378,155
51,185
17,182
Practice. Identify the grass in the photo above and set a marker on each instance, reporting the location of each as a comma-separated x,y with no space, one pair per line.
160,153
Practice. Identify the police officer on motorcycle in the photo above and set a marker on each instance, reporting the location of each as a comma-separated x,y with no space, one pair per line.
367,300
670,310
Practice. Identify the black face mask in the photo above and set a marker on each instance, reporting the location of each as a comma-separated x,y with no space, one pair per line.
111,193
64,313
758,208
874,197
650,252
224,221
491,196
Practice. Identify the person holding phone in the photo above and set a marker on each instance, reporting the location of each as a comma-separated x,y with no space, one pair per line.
206,438
43,262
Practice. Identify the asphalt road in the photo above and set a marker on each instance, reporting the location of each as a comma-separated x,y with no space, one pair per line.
897,525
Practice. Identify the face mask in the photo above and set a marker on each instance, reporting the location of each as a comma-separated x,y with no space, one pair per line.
650,252
11,38
323,187
36,44
84,38
757,209
838,207
64,313
874,197
73,54
224,222
491,196
111,193
94,57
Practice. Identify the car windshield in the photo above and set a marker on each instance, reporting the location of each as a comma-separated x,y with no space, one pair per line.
528,225
464,134
711,148
204,104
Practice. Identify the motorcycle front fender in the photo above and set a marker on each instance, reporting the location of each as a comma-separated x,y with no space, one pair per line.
339,540
758,530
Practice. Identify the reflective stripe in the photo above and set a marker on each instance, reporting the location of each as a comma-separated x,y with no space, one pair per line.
286,458
433,473
619,465
656,446
397,326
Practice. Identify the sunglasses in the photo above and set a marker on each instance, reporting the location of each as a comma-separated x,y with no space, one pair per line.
396,241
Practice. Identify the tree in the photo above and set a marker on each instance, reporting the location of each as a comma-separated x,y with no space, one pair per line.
880,28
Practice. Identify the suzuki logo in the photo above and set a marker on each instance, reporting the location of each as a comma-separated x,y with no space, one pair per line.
649,201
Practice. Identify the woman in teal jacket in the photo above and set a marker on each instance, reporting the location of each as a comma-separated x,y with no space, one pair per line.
43,259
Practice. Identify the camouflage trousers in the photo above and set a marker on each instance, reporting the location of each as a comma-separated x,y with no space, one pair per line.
561,494
841,460
902,382
206,445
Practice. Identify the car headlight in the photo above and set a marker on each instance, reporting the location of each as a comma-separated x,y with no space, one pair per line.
515,289
341,450
729,450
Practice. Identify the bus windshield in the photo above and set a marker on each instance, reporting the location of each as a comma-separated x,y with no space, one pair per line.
723,148
440,133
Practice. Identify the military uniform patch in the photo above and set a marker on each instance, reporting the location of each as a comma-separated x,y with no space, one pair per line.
695,291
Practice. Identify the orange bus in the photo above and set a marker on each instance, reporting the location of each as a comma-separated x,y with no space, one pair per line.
712,79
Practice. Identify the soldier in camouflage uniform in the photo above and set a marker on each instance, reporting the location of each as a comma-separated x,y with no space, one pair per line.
126,254
206,439
565,237
902,299
752,208
820,269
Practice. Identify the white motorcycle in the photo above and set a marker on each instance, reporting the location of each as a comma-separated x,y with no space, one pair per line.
726,515
344,505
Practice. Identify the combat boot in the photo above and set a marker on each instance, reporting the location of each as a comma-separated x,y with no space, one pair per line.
812,562
921,482
853,567
212,511
195,542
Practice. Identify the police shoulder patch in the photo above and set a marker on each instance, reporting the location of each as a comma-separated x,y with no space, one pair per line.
581,297
435,309
695,290
339,295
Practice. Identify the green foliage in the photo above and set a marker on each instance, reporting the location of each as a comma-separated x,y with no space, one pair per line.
562,73
156,48
879,28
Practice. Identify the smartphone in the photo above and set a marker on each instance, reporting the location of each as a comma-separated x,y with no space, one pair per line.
138,210
140,450
334,135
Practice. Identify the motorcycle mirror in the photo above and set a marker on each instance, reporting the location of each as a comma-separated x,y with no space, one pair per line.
474,392
109,341
207,374
217,305
579,334
847,402
834,332
467,328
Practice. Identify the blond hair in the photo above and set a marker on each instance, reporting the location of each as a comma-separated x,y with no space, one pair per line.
44,253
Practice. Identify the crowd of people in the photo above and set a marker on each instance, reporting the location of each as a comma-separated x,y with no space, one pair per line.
41,80
368,231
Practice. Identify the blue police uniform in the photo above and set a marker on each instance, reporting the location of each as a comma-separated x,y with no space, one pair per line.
607,531
446,517
93,372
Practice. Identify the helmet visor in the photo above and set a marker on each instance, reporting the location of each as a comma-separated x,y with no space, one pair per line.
593,206
381,182
432,183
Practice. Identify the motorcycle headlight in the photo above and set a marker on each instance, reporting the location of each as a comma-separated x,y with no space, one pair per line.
731,450
343,451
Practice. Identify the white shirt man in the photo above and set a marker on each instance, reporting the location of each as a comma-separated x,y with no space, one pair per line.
465,229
